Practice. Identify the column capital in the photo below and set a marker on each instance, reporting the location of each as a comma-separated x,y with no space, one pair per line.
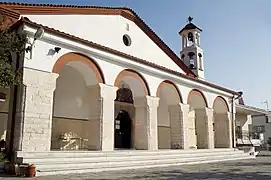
223,113
209,110
205,109
181,106
146,101
35,78
103,90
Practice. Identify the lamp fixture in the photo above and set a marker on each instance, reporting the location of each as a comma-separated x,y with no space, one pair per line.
38,35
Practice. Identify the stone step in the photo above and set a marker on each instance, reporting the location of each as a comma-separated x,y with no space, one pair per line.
109,163
70,154
139,165
123,158
64,162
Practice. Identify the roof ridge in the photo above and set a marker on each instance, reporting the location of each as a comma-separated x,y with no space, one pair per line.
124,11
63,5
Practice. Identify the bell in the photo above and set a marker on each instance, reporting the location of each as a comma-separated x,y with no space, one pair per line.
190,37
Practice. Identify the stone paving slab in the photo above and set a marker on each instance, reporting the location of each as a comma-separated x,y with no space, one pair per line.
252,169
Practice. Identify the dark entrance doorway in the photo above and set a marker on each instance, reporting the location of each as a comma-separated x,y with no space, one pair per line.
123,126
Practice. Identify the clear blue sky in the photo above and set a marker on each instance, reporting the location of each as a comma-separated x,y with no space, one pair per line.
236,37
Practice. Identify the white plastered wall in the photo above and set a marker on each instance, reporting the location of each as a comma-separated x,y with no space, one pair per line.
97,30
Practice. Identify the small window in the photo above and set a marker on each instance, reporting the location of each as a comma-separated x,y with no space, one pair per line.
200,62
127,40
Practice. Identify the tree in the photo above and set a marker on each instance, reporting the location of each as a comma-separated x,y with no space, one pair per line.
11,43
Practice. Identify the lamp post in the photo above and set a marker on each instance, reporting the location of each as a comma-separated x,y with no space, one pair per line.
266,103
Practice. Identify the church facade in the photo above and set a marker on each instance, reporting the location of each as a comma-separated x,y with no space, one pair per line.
99,79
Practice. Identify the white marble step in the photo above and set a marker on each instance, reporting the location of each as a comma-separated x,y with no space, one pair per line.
64,162
140,165
123,158
66,166
69,154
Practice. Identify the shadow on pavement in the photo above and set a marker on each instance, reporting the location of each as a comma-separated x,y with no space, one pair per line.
6,176
171,175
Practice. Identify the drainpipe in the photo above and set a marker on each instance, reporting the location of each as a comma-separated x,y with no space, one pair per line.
18,64
13,113
232,115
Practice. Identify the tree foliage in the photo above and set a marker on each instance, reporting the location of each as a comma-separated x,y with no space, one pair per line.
12,44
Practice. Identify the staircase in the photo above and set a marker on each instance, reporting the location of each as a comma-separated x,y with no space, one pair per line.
64,162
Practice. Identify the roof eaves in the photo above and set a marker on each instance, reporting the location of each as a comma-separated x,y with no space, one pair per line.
190,26
10,13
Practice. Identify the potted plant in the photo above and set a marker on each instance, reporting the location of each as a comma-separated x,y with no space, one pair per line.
31,171
3,159
269,143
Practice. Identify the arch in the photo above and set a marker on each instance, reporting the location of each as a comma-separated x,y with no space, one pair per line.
198,93
167,124
220,105
168,83
135,75
73,57
221,123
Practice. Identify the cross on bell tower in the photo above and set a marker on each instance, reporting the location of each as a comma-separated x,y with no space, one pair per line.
191,52
190,19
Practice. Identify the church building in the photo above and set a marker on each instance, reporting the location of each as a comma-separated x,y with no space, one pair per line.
102,91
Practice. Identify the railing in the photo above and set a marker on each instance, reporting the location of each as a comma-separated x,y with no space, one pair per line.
244,137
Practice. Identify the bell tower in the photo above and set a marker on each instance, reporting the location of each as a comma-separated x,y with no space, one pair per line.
191,52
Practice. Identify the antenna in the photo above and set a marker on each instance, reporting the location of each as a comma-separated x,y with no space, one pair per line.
266,103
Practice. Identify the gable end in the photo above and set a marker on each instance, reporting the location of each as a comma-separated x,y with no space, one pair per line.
127,13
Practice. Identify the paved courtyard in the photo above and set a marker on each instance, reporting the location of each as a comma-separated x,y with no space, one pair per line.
258,168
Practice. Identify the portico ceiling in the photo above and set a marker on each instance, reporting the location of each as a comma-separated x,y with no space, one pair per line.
249,110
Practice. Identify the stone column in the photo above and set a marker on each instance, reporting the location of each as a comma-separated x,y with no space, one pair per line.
204,128
210,128
102,110
233,127
179,126
33,122
146,123
191,126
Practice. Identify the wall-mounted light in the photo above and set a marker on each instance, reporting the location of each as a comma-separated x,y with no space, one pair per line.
38,35
54,50
57,49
